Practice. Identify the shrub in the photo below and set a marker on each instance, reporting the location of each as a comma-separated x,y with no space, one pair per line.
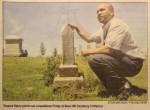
51,70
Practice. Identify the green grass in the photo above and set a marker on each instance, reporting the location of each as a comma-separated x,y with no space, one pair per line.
23,81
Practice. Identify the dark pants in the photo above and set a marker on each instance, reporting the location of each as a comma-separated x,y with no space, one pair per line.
112,70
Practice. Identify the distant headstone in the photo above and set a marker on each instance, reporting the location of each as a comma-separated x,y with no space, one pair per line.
13,46
68,70
88,46
80,48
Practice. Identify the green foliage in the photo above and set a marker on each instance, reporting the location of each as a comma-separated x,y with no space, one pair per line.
23,81
51,70
42,49
90,79
22,78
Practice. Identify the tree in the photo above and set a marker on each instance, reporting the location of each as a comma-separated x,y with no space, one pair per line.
55,52
42,49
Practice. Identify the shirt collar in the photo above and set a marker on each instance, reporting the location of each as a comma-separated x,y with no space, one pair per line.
106,26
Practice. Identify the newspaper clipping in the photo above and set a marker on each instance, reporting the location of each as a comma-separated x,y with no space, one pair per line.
74,55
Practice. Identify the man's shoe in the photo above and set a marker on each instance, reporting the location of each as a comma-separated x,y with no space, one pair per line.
125,94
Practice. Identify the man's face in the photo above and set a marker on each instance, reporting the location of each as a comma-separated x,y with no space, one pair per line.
104,13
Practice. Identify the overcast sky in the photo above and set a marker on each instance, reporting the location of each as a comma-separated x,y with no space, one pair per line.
42,22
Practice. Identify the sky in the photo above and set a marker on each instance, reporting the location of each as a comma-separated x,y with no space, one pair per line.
41,22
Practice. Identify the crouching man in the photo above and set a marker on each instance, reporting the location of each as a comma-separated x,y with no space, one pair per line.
119,57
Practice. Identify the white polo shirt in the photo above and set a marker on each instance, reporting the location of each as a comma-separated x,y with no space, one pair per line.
116,35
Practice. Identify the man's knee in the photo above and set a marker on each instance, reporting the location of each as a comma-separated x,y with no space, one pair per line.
95,59
91,60
102,60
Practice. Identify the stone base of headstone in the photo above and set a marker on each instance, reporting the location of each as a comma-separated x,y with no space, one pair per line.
68,70
67,79
68,73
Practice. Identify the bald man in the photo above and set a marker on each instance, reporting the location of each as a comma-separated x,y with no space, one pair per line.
118,57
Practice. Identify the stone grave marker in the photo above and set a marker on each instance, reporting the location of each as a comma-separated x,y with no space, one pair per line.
68,70
13,46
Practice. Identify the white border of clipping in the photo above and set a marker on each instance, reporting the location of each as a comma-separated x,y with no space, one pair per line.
105,104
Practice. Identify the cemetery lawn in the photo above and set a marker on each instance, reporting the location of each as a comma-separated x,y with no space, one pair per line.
23,81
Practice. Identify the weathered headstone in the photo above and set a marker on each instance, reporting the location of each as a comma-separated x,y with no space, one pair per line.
68,70
68,45
13,46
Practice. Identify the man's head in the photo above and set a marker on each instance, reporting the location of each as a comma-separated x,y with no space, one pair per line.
105,12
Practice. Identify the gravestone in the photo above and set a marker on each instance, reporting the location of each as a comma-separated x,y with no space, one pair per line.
68,70
13,46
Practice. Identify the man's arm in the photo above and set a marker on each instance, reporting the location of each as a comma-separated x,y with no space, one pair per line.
103,50
82,33
87,38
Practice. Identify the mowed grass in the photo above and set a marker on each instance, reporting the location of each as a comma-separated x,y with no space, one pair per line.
23,81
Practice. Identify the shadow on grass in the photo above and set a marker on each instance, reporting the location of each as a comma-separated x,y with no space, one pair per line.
138,91
135,91
104,94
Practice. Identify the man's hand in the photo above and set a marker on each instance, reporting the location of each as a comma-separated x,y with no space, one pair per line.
84,35
73,26
85,52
